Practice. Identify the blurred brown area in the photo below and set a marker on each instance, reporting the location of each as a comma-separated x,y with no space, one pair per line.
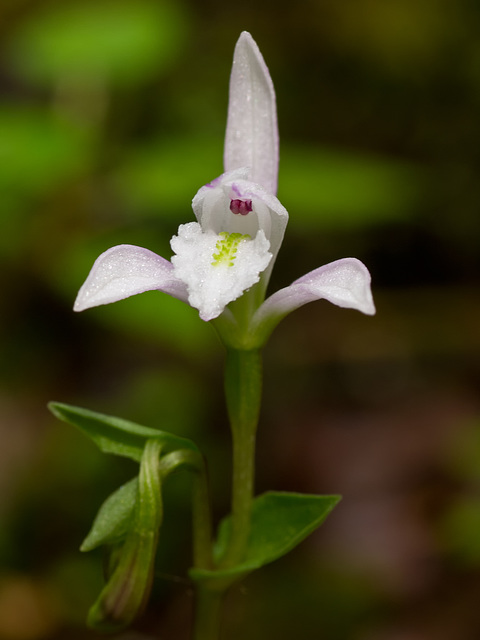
112,115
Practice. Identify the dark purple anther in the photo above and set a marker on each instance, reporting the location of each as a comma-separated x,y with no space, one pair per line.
243,207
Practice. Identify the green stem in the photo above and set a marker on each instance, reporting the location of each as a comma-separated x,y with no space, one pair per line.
243,387
207,603
202,521
207,614
202,518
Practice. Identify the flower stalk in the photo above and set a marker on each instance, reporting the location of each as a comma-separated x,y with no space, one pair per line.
201,507
243,388
202,521
208,609
243,385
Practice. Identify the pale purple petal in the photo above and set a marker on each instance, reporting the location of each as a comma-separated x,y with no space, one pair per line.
251,139
124,271
345,283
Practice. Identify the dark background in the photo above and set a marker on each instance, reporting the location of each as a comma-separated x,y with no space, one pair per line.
112,116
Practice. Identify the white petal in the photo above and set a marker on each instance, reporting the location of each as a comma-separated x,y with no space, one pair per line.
345,283
124,271
251,139
211,206
207,196
278,214
212,283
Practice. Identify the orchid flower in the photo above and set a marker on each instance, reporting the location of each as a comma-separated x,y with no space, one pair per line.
229,252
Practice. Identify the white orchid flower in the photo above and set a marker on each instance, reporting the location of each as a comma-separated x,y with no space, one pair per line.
229,252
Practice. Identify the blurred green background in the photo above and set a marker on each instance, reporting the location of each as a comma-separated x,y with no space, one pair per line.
112,115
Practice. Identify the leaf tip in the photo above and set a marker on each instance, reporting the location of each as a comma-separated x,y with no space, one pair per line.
55,408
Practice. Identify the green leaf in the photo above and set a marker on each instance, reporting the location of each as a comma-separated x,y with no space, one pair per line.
115,435
280,521
128,587
113,518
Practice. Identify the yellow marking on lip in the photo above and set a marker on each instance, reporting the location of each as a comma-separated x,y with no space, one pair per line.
226,248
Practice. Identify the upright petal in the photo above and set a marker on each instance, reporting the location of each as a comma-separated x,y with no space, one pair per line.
251,139
124,271
345,283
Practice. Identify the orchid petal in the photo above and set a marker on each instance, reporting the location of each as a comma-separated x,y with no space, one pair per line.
211,207
206,196
124,271
278,213
251,138
217,269
345,283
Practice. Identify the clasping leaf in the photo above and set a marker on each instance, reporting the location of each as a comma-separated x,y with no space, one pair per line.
280,521
116,435
113,518
129,584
